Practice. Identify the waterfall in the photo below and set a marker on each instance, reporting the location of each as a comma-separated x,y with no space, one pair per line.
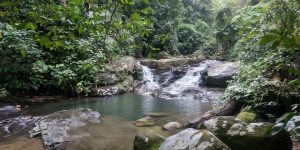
149,84
186,86
191,80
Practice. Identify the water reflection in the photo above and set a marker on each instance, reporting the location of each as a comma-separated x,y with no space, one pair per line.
129,106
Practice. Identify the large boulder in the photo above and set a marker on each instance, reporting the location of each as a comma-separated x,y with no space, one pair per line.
220,73
147,141
54,128
117,77
191,139
126,86
167,64
247,136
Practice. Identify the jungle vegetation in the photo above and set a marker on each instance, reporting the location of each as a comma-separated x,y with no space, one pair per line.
57,46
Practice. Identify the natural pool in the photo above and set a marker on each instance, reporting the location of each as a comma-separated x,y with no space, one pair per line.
116,131
129,106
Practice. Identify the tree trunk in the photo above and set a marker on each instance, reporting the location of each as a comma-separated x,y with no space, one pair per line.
228,109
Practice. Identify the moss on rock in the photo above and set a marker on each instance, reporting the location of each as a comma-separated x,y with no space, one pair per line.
147,142
247,136
247,116
191,139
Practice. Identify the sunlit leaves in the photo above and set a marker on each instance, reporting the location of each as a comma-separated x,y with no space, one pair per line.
31,26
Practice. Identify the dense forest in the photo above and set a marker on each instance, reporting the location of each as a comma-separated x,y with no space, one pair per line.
57,47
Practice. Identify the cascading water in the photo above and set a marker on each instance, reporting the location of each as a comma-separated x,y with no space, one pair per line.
188,86
191,80
149,84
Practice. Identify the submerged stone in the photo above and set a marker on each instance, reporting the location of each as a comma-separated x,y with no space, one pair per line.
191,139
143,122
54,128
15,125
157,114
247,136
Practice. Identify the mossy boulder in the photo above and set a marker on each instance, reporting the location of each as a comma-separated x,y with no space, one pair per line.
247,116
247,136
191,139
147,141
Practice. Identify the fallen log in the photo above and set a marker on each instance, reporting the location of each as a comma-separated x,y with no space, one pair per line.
228,109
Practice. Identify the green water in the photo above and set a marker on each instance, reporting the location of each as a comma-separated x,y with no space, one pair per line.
116,130
128,106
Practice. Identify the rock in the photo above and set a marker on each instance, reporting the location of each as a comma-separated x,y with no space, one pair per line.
172,126
54,128
143,122
15,125
105,91
9,111
247,136
120,88
161,55
220,73
173,75
191,139
117,78
247,116
147,141
122,65
167,64
157,114
107,78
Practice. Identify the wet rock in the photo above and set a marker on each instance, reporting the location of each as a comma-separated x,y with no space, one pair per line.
170,77
9,111
143,122
147,141
54,128
125,86
247,116
219,74
167,64
172,126
247,136
191,139
15,125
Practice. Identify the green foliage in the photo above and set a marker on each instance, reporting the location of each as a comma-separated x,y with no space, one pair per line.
289,122
267,50
18,51
57,47
2,92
